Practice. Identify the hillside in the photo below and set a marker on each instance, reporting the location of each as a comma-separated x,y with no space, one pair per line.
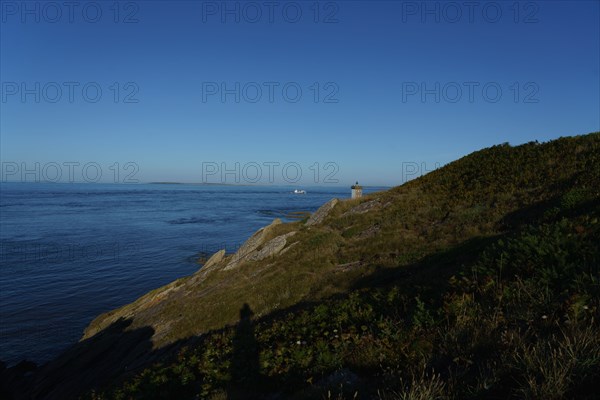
478,280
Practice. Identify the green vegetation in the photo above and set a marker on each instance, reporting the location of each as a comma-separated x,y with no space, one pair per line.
479,280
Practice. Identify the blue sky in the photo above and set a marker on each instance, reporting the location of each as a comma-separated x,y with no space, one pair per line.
388,89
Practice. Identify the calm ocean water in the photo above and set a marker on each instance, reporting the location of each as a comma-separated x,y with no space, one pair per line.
69,252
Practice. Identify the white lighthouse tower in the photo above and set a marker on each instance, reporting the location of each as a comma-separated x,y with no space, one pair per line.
356,190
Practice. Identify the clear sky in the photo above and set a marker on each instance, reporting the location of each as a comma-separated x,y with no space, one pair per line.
389,89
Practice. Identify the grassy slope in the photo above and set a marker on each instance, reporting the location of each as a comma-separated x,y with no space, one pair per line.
477,280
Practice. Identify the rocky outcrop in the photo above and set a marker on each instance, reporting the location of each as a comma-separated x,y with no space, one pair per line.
321,213
288,248
269,249
363,207
214,260
250,246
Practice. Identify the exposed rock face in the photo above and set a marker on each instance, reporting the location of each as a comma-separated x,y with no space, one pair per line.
363,207
214,260
271,248
321,213
250,246
288,248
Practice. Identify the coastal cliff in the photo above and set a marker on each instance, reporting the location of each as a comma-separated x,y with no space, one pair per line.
440,274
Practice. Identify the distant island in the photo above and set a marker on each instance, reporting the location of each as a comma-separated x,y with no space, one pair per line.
196,183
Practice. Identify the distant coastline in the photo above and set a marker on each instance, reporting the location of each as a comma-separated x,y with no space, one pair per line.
378,187
247,184
200,184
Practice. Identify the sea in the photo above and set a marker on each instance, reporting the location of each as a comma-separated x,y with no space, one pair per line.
69,251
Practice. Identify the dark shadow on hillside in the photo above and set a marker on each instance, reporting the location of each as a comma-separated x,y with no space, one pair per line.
88,364
547,211
433,270
245,369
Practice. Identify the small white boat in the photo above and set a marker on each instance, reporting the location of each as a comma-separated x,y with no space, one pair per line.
299,191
